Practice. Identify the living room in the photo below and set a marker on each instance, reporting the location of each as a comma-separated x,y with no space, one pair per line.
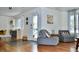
23,24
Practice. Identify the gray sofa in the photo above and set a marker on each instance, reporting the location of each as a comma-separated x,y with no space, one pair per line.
65,36
44,38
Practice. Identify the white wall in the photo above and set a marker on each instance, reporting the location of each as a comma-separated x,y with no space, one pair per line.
27,30
4,23
59,20
64,21
50,27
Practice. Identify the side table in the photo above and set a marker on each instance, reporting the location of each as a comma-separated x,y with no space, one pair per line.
24,38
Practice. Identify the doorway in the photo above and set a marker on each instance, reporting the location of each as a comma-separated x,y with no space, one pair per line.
35,26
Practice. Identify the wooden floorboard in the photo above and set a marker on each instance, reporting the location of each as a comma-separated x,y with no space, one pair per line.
16,47
61,47
26,46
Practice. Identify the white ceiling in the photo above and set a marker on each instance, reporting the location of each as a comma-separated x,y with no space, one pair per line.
64,8
4,11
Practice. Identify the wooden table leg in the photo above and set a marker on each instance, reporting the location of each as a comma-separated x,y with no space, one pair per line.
77,45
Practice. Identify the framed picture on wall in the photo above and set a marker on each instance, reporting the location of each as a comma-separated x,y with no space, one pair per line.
49,19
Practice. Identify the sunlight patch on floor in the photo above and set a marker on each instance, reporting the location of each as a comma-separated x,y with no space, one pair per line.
72,49
34,47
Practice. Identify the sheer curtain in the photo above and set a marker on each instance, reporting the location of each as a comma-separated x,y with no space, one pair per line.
73,22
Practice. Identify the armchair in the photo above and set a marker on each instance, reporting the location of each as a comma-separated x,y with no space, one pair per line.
65,36
44,38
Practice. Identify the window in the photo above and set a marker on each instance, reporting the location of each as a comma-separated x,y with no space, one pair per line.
73,22
77,31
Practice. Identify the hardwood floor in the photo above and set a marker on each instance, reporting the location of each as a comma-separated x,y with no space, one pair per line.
30,46
16,47
61,47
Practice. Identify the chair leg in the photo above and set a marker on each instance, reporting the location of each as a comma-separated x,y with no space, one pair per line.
77,47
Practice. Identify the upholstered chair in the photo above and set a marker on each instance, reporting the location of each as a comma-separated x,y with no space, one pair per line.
65,36
44,38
